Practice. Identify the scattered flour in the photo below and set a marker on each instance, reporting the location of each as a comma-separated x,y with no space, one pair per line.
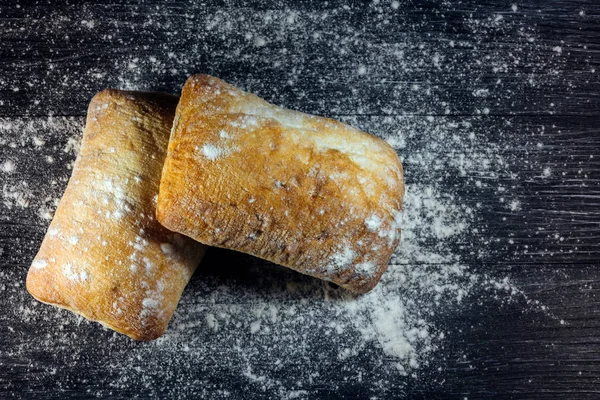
39,264
366,268
8,166
20,133
150,303
167,248
37,141
341,259
211,152
75,274
373,223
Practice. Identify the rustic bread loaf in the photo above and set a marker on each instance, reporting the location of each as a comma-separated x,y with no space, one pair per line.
105,256
302,191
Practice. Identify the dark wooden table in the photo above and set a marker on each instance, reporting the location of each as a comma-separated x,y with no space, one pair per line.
495,106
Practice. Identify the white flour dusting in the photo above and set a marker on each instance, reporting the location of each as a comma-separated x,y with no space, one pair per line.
8,166
211,151
21,133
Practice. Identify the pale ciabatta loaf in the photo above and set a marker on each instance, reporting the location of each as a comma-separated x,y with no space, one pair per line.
306,192
105,256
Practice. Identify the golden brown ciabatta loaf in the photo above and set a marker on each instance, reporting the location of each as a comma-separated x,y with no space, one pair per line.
306,192
105,256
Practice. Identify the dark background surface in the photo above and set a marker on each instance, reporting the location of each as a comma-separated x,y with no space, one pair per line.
523,76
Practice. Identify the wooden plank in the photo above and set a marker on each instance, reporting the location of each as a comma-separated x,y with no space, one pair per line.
420,60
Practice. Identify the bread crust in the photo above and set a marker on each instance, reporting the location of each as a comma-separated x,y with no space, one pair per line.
302,191
105,256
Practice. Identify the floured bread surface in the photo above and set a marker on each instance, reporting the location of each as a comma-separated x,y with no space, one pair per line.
105,256
306,192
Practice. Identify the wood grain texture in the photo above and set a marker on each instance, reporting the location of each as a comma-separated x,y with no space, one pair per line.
524,83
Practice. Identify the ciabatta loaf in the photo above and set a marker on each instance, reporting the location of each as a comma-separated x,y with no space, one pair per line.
105,256
302,191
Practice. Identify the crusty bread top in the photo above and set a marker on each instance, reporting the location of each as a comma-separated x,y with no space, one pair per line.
303,191
105,256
